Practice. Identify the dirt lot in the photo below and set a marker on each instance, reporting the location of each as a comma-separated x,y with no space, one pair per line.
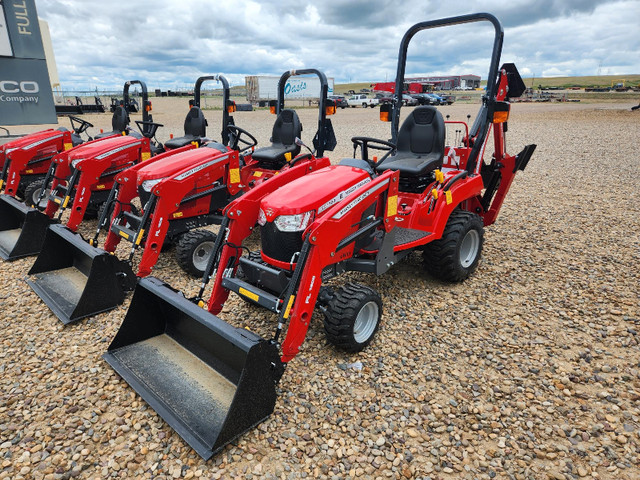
528,370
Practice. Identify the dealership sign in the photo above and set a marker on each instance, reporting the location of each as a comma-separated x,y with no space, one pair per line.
25,90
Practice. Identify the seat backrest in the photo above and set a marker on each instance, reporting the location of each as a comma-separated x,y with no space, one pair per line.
422,132
195,124
120,119
286,128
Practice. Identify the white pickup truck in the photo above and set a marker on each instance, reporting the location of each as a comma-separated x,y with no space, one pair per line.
362,100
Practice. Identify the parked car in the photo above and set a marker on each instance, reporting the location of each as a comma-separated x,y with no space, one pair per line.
422,98
409,100
362,100
448,99
436,99
384,97
341,101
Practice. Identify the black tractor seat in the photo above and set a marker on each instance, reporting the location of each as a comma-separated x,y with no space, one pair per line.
75,138
119,123
420,144
285,130
195,129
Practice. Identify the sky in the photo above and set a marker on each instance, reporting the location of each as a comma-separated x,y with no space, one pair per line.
100,44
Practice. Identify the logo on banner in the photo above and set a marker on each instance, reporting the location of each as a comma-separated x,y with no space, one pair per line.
25,91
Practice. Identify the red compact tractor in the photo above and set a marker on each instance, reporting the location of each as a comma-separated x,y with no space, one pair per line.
178,194
88,168
211,381
26,160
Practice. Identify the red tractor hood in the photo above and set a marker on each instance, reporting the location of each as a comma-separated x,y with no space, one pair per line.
106,146
315,191
178,162
31,140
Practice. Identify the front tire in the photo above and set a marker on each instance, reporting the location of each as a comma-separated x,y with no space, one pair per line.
193,251
352,317
32,192
456,255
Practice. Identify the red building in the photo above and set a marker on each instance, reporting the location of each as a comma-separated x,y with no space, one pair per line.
428,84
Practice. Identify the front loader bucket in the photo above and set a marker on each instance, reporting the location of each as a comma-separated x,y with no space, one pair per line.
209,381
77,280
21,229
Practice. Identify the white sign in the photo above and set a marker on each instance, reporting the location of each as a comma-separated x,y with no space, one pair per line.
5,43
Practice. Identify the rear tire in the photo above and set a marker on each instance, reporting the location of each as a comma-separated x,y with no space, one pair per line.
32,192
193,251
456,255
352,317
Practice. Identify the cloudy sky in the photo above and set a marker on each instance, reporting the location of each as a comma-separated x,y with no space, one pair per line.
169,43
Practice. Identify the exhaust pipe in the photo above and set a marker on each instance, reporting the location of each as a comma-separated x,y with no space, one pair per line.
77,280
210,381
22,229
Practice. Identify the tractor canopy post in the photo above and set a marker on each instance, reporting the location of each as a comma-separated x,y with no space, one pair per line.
322,103
226,118
482,122
146,116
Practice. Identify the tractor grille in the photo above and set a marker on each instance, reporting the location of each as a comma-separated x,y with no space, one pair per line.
144,196
279,245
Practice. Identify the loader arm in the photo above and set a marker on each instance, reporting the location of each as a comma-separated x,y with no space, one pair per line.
241,216
92,169
166,199
18,160
126,185
331,239
60,172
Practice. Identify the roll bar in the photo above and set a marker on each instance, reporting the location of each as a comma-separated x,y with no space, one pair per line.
146,117
226,118
322,102
482,122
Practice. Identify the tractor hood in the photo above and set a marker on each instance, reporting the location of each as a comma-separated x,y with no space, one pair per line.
105,147
178,162
316,191
31,141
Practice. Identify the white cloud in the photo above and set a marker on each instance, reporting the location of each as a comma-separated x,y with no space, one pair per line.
101,44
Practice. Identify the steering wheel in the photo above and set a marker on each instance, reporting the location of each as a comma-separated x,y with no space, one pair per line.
153,128
84,125
235,137
366,143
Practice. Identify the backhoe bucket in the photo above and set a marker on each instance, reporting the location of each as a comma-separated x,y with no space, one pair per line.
77,280
21,229
208,380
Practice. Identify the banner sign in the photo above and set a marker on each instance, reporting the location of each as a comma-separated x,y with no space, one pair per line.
25,89
5,44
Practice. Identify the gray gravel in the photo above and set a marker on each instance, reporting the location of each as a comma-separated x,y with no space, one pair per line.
528,370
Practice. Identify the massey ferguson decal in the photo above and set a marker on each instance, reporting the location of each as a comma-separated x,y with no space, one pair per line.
188,173
360,198
116,150
343,194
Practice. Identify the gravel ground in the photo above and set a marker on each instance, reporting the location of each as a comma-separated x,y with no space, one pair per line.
528,370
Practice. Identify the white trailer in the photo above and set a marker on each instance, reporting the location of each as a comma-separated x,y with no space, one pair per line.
264,87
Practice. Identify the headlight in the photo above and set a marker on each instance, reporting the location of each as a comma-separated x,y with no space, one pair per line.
75,162
262,218
294,223
147,185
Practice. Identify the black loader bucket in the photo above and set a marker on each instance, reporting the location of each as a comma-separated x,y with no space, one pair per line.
77,280
21,229
208,380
